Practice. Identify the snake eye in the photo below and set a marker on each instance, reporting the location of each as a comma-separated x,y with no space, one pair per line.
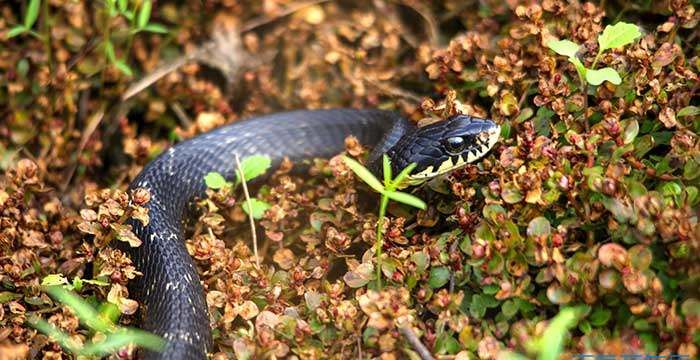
455,144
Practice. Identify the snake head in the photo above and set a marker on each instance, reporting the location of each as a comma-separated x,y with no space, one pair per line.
444,146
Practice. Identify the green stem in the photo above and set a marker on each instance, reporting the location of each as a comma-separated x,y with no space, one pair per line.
380,240
595,60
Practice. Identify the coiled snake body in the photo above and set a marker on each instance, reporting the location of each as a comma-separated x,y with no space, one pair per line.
170,293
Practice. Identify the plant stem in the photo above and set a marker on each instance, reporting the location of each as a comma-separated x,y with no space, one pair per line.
250,210
595,60
380,240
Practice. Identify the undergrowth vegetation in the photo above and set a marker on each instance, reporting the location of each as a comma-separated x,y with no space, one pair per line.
577,234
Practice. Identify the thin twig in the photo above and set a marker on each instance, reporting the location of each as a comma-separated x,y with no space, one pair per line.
250,209
181,115
161,71
263,20
203,52
415,342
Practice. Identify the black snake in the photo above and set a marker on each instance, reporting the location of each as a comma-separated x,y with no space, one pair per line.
170,293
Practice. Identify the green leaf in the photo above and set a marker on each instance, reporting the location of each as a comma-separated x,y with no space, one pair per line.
364,174
617,35
596,77
54,279
55,334
439,276
446,344
564,47
686,111
82,309
404,173
144,14
580,69
552,341
259,208
254,166
631,131
122,5
123,67
117,340
32,13
386,169
155,28
509,308
215,181
17,30
406,198
109,51
600,316
477,306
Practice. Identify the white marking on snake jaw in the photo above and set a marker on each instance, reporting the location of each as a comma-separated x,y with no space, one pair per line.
488,138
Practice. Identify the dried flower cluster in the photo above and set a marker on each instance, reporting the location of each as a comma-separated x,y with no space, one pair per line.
591,198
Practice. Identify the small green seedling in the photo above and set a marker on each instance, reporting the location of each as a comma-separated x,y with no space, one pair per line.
388,190
138,16
29,19
613,36
252,167
112,337
549,346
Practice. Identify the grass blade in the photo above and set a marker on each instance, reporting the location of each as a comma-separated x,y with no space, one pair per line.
406,198
84,311
386,163
32,13
364,174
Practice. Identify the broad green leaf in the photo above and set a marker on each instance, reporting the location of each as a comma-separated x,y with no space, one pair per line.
17,30
254,166
688,111
539,226
596,77
600,316
439,276
144,14
155,28
259,207
405,198
617,35
631,131
509,308
32,13
123,67
364,174
564,47
214,180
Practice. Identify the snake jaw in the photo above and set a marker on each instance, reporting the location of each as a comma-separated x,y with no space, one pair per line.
478,137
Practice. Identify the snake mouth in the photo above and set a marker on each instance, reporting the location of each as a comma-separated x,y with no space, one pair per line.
461,149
